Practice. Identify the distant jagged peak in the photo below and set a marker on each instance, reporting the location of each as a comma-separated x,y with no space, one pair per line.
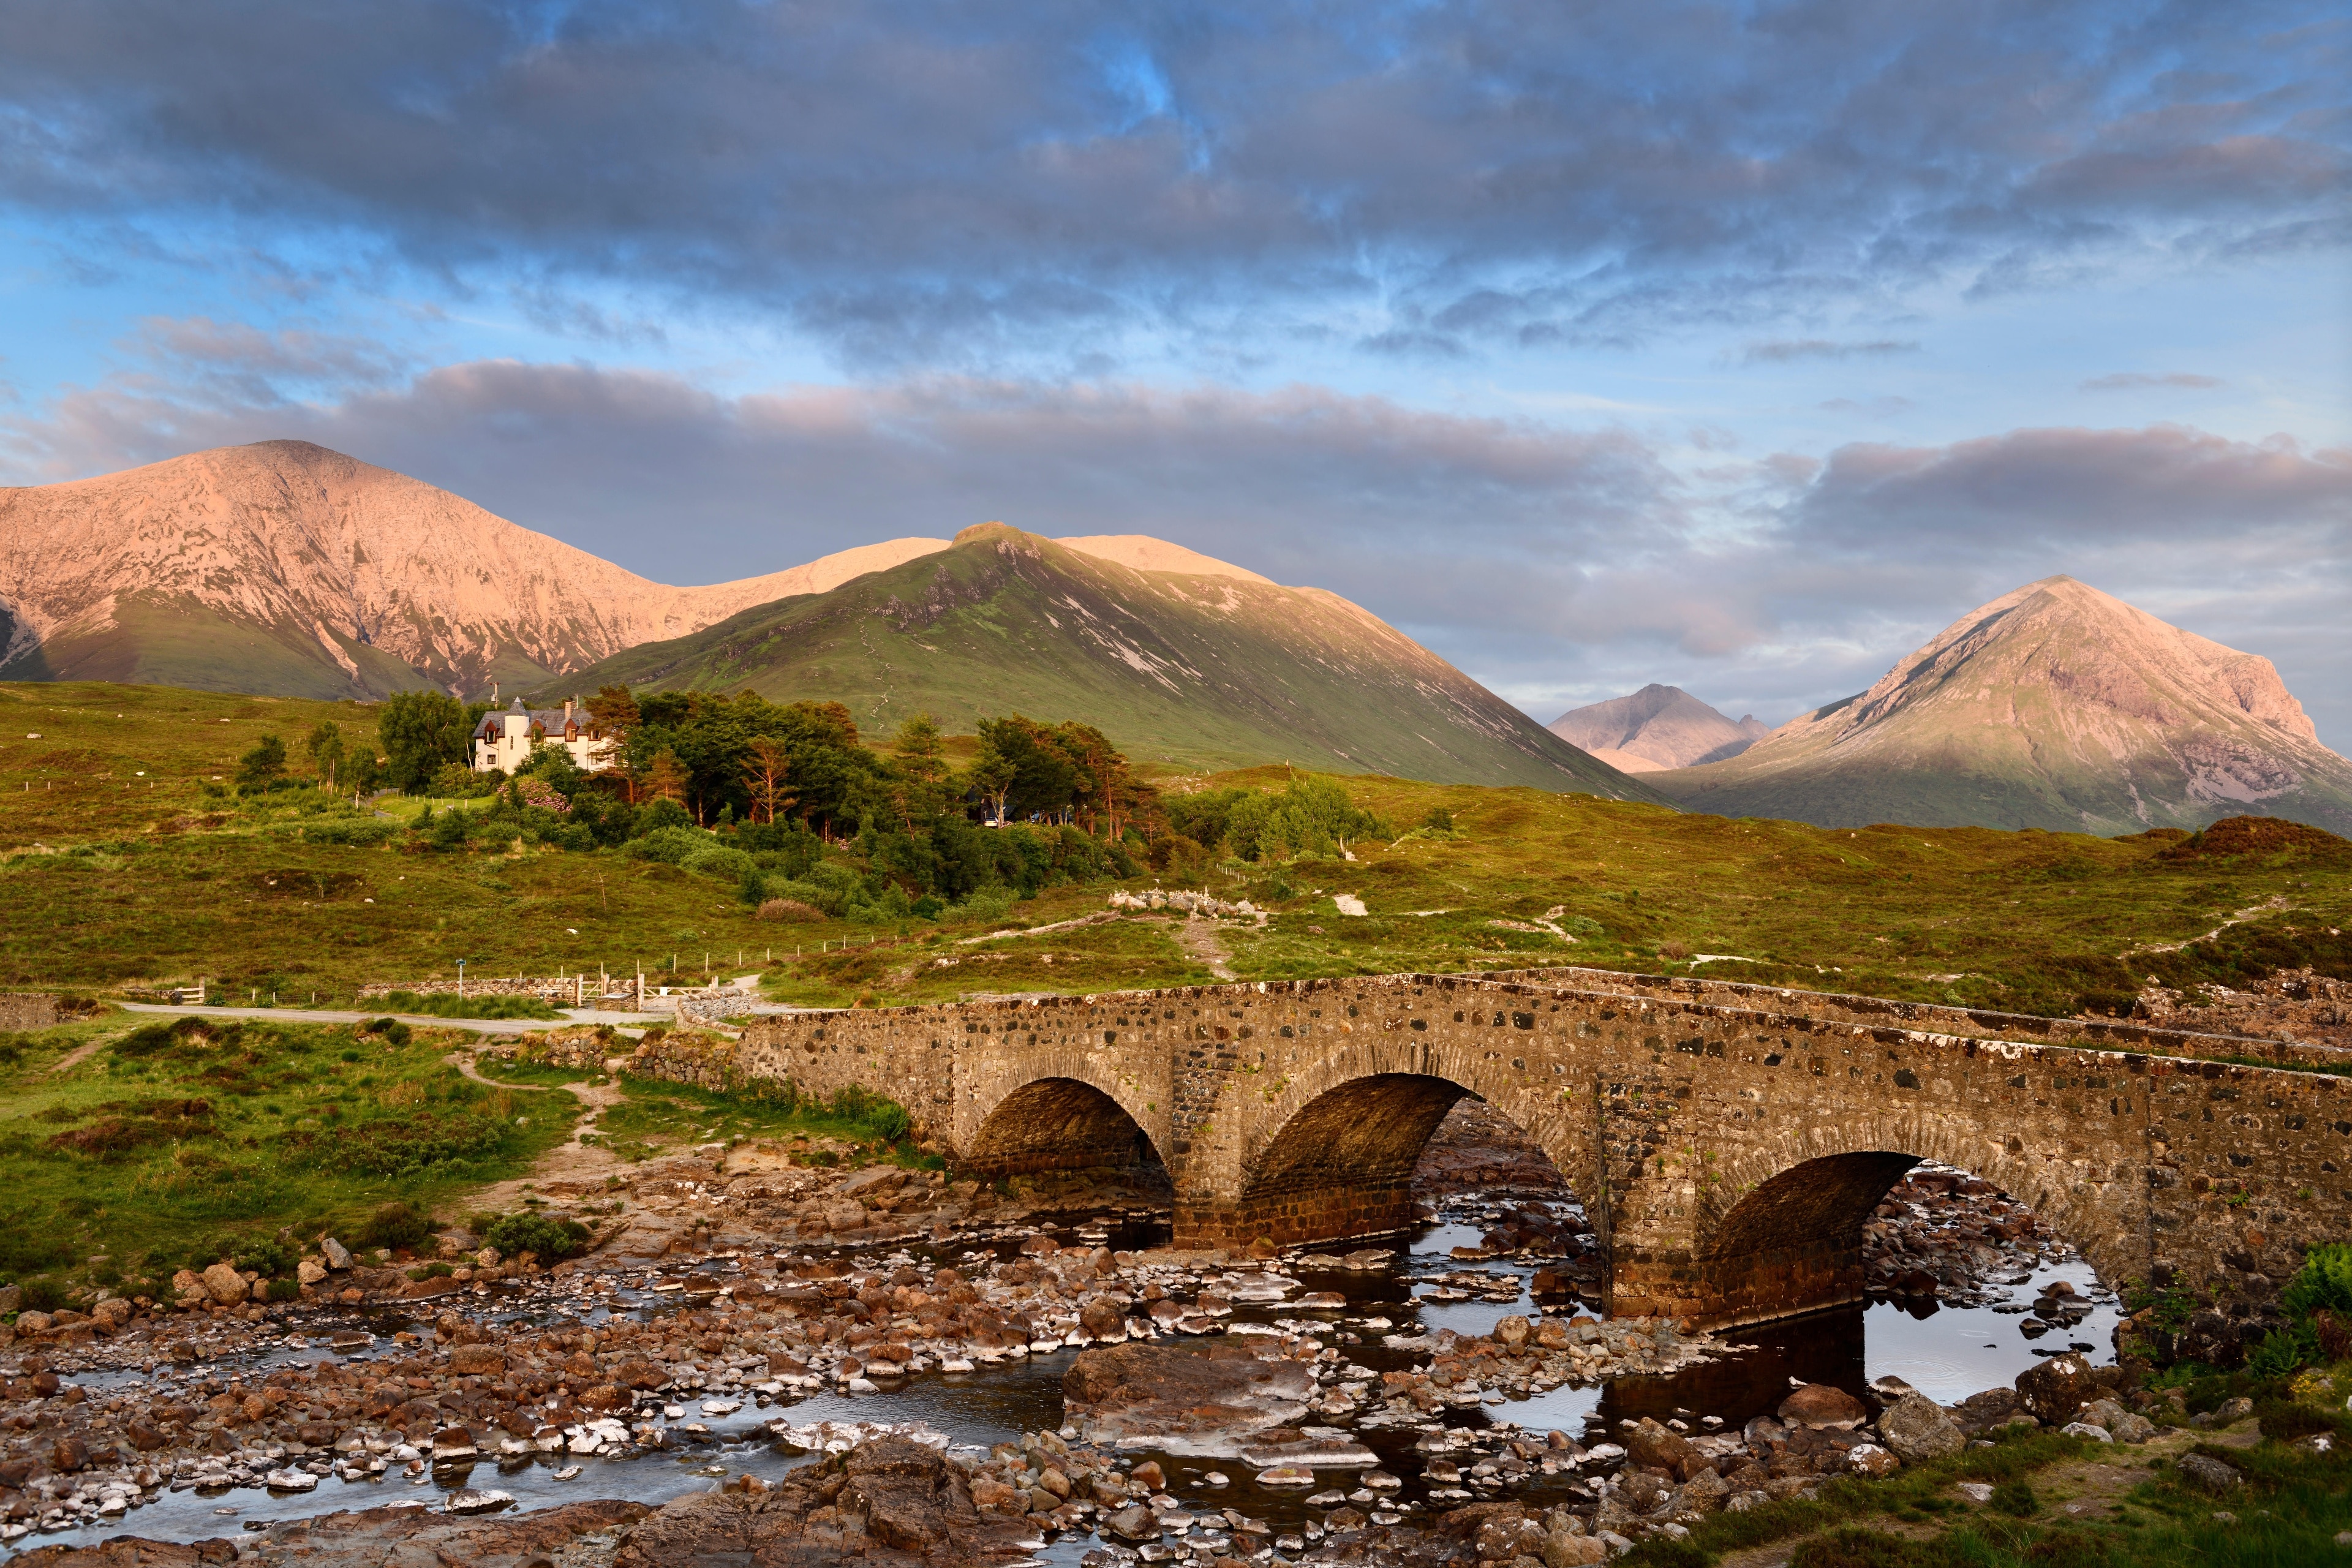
1657,727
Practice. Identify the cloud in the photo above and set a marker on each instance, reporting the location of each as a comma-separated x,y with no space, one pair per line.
2045,493
2136,381
919,181
1782,351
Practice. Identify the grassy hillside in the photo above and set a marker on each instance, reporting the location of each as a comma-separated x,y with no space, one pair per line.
108,879
1192,671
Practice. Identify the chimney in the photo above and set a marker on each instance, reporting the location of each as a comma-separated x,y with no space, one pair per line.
567,707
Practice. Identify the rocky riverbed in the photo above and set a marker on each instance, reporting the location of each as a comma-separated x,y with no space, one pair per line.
855,1364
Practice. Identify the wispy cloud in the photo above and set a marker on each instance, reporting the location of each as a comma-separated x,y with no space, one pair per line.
2140,381
1781,351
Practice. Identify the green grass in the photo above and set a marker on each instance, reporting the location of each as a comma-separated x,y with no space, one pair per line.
444,1005
176,1143
150,882
660,1115
539,1075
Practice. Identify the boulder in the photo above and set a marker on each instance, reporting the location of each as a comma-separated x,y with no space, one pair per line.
1654,1446
1870,1459
1916,1429
225,1285
2125,1425
338,1256
1134,1522
1821,1405
1562,1549
2211,1474
1511,1331
2055,1392
889,1501
189,1286
1206,1397
112,1312
477,1361
1102,1319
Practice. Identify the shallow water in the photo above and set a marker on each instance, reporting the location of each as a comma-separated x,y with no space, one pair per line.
1948,1353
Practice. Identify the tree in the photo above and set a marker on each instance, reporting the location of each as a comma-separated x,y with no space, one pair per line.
919,752
419,731
1046,779
992,774
665,777
765,772
263,765
326,748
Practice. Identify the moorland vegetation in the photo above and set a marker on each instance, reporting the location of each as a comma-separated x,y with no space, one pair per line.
736,833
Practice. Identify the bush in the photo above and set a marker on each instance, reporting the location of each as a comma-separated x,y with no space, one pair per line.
270,1259
673,845
788,910
398,1227
986,904
877,1115
720,863
43,1294
2016,1498
392,1146
546,1239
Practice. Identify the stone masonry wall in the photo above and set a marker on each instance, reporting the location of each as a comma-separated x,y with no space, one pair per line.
1715,1146
2101,1034
27,1010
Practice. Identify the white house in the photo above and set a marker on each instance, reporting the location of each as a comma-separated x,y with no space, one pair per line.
505,740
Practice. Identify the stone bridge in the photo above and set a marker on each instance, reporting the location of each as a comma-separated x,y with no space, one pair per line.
1727,1141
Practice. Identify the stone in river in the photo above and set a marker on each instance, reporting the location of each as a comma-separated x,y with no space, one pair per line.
1190,1399
1654,1446
886,1501
1822,1405
1286,1476
478,1499
1135,1523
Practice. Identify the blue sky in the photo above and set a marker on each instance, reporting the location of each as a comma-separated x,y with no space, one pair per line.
1737,346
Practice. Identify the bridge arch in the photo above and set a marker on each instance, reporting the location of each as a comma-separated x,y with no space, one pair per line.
1778,1228
1057,1110
1330,1153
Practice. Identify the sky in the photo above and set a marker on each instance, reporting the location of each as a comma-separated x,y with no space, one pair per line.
1740,347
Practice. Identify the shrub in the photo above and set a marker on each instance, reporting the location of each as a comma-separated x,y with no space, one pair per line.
393,1031
673,845
720,863
397,1227
43,1294
987,904
2016,1498
544,1237
788,910
270,1259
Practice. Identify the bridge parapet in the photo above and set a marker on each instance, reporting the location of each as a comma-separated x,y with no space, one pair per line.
1726,1154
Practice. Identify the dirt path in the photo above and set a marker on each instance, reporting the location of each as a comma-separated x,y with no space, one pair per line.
570,1161
78,1055
1204,940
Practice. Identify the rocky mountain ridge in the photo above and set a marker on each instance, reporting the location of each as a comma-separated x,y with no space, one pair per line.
283,568
2055,706
1204,665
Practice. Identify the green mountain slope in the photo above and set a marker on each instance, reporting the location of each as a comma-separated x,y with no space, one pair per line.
1194,669
2054,707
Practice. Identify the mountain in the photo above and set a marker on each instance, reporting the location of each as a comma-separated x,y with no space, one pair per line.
1657,727
2054,707
1178,659
286,569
